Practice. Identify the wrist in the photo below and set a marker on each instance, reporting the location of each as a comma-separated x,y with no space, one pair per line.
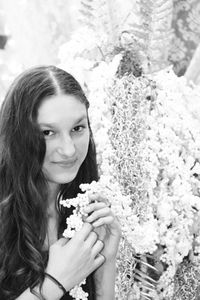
107,267
104,278
51,290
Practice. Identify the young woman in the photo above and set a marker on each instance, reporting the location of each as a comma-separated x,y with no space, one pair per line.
46,152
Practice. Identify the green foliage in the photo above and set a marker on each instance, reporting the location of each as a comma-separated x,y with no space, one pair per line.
129,64
153,32
98,15
134,269
147,28
187,281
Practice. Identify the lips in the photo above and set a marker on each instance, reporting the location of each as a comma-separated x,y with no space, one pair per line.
66,163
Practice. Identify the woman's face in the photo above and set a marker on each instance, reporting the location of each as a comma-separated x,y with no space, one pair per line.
64,123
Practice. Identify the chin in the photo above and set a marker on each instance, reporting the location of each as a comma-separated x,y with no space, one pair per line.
63,178
60,176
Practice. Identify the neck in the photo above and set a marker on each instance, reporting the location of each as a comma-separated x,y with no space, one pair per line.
52,196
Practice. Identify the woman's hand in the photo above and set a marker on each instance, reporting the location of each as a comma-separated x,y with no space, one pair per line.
105,225
71,261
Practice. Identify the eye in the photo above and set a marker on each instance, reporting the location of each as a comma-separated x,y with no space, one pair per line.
78,128
47,132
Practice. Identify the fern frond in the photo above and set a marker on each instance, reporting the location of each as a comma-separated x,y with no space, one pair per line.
100,16
139,260
145,277
133,269
153,30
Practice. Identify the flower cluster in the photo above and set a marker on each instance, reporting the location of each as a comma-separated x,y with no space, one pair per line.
147,135
151,150
121,206
173,143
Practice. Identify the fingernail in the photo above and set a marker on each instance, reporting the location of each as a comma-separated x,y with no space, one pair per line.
86,209
95,224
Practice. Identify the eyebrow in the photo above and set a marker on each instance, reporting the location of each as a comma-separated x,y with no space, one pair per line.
52,125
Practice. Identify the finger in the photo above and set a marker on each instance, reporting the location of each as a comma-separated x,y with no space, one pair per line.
101,232
98,197
104,221
94,206
102,212
97,248
94,196
92,238
84,232
62,241
103,199
99,260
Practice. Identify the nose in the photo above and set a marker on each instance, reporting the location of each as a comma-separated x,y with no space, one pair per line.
66,146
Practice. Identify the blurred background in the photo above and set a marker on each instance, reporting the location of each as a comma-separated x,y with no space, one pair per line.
77,35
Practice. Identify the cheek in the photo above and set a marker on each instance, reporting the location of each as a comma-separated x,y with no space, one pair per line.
50,150
82,146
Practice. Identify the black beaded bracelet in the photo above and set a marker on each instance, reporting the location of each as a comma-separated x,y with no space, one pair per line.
56,282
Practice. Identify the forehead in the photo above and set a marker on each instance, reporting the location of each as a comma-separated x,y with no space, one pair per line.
60,108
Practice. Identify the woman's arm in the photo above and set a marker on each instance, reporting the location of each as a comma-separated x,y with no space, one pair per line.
104,278
50,291
70,261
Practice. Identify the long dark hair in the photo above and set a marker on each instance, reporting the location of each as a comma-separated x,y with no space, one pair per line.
23,188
